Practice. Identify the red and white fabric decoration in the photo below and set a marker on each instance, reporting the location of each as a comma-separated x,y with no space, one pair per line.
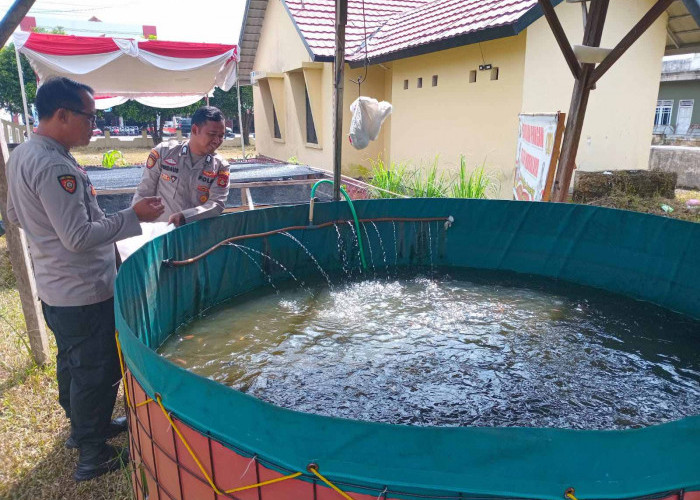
153,72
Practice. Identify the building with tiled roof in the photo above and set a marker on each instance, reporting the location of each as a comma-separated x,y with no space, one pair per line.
457,72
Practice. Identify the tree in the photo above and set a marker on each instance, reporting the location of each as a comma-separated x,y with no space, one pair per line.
227,102
140,113
10,91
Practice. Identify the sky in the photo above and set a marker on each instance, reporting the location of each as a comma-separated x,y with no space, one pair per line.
213,21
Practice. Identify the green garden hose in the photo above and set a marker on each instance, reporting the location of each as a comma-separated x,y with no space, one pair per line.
352,209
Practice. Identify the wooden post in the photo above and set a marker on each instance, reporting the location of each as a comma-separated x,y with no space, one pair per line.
12,19
240,114
579,103
21,266
638,30
341,19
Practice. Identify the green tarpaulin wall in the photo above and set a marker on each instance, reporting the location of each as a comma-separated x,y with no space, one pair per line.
646,257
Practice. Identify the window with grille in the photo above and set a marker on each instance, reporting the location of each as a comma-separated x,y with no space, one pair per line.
663,112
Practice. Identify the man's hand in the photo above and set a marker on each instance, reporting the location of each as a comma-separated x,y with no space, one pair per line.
177,219
149,208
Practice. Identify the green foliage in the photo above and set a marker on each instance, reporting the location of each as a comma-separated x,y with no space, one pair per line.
113,158
293,160
58,30
392,179
477,184
10,91
227,102
429,182
145,115
426,183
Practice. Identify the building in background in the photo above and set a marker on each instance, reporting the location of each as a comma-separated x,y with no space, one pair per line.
457,73
678,106
90,27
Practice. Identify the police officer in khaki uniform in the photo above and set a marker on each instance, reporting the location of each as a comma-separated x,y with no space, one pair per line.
72,248
191,179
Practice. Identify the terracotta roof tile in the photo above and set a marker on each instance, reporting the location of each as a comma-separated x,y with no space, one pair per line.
395,25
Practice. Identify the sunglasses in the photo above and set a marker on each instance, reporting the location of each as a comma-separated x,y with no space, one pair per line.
91,116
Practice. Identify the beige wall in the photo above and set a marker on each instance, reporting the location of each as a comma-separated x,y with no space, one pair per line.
479,120
282,55
618,126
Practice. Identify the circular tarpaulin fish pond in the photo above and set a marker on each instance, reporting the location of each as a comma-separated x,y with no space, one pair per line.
194,438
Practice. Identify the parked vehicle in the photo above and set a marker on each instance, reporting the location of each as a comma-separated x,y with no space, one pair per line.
186,126
96,132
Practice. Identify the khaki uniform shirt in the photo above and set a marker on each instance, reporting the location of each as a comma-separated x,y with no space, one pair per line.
71,242
198,188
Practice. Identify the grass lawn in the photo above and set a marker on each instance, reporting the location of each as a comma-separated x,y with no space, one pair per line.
34,464
88,158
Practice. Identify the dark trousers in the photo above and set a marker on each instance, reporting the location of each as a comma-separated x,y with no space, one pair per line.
87,367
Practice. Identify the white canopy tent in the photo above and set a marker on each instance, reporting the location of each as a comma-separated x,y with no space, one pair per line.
155,73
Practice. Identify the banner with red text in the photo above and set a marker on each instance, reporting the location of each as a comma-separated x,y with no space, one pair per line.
539,137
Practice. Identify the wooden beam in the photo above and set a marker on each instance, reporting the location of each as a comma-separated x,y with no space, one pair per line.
341,19
579,102
12,19
637,30
21,267
560,37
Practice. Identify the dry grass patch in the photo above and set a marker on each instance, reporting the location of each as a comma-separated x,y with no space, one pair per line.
34,464
653,205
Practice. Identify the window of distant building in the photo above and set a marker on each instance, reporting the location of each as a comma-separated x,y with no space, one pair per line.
663,112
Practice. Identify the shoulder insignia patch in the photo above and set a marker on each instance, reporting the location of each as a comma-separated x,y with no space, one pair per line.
203,198
203,189
68,183
165,177
222,179
152,158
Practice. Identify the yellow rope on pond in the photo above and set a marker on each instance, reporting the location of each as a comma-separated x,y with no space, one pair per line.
314,469
187,445
569,493
279,479
121,367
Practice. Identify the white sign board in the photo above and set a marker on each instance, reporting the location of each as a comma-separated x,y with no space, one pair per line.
539,137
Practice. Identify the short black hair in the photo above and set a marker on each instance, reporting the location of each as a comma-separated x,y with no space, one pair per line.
59,92
207,114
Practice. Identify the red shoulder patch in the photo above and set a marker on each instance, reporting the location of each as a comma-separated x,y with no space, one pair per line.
203,198
222,179
68,183
152,158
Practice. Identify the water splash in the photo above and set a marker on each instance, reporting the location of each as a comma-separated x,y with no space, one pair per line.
355,242
381,245
274,261
430,248
323,273
396,248
341,251
369,245
262,271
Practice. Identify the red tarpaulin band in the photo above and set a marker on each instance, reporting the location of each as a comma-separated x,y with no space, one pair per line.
185,49
69,45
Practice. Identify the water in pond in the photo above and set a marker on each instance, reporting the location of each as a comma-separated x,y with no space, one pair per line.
453,349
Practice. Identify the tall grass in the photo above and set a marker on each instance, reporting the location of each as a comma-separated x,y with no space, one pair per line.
428,182
388,180
476,184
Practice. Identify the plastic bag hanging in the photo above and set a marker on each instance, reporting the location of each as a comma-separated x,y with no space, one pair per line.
368,114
